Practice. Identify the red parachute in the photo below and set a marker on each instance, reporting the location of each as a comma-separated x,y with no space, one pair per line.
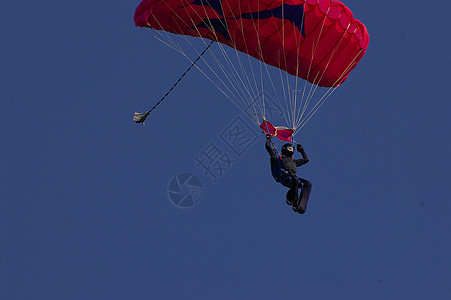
254,27
316,40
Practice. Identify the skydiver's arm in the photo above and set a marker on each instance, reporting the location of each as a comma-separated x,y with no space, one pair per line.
304,159
269,148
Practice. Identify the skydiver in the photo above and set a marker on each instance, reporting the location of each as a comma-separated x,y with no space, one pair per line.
284,168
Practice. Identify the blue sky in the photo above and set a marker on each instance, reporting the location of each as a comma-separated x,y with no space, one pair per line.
85,212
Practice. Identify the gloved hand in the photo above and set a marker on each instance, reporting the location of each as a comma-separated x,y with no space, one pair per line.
268,136
299,148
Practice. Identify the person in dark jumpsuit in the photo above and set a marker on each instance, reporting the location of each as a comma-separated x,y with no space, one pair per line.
284,168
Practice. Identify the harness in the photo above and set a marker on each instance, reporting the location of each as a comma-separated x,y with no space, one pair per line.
277,171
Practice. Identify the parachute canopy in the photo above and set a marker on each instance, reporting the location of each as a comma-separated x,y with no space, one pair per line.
313,45
284,34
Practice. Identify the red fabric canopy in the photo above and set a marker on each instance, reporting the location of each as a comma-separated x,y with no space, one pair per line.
317,40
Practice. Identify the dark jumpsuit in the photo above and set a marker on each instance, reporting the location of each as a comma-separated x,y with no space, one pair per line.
283,169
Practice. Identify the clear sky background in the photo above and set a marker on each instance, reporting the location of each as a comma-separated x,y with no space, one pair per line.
85,212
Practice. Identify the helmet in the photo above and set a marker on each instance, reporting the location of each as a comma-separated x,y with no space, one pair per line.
287,150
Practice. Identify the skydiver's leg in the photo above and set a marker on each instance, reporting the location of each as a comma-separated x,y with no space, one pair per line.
305,194
290,197
285,180
295,191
